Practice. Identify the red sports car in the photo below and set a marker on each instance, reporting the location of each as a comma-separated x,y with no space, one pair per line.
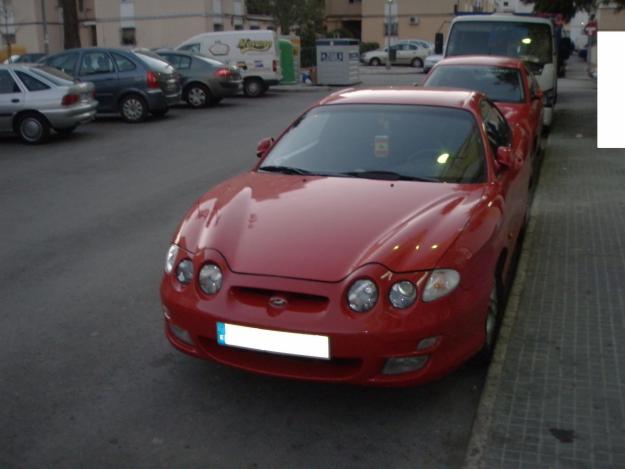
371,243
506,81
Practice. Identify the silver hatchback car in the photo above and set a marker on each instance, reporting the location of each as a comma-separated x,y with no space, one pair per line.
35,99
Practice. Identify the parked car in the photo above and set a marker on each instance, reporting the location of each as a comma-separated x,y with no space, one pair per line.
402,53
27,58
430,61
254,52
131,84
371,244
35,99
205,81
506,81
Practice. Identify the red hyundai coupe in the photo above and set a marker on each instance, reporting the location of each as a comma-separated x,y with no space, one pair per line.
506,81
371,244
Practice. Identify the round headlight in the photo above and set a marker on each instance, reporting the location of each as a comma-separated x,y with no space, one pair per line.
403,294
170,258
362,296
210,279
441,282
184,272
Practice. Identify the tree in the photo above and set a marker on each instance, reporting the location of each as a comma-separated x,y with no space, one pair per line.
568,8
71,37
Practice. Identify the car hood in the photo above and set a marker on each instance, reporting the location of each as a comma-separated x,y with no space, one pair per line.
323,228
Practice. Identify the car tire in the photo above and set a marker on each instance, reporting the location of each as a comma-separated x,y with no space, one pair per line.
67,130
375,62
491,325
198,96
160,112
417,62
133,108
33,128
253,87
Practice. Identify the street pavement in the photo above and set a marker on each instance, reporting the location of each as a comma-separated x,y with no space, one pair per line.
87,376
555,394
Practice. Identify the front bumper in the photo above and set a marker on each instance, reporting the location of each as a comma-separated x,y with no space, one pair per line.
360,344
63,118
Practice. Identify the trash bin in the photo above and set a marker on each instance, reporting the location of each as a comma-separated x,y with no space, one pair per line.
338,61
287,62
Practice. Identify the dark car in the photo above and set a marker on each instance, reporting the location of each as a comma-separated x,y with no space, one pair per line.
131,84
205,81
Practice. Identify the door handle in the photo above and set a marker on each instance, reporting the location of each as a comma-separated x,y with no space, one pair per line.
15,100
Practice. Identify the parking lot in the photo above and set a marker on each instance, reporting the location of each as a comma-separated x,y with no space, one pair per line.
88,378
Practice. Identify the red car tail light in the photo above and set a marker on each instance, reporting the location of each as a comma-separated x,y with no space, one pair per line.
70,99
223,73
152,80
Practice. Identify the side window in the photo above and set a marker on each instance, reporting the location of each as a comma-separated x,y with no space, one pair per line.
7,84
191,47
172,59
64,62
95,63
413,47
184,62
31,83
123,64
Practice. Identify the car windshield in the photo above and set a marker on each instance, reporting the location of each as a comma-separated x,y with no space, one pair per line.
527,41
498,83
396,142
53,75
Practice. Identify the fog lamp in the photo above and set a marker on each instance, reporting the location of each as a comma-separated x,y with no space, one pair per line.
180,333
398,365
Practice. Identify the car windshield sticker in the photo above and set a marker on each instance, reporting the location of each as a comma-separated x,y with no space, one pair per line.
248,45
219,48
381,146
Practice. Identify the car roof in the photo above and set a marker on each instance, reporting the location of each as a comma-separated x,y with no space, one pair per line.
443,97
482,60
502,17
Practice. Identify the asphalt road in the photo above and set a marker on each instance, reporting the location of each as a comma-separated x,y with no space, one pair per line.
87,378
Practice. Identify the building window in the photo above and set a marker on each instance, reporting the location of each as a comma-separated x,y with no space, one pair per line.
218,27
394,29
128,37
238,27
254,26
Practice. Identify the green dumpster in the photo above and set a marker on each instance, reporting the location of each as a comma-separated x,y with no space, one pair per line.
287,62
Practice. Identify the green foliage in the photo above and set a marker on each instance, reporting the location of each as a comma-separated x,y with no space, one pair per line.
367,46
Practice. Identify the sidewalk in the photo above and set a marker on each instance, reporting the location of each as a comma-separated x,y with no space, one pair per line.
555,393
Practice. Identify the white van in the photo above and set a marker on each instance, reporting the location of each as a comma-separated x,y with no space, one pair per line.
255,52
525,37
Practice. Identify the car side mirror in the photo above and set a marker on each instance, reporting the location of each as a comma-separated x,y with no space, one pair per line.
505,157
264,146
538,94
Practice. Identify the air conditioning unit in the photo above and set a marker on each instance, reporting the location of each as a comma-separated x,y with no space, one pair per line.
414,20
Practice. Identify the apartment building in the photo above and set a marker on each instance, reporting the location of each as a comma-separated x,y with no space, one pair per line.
129,23
370,20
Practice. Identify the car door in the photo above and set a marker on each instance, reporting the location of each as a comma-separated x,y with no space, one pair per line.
513,182
129,76
11,99
97,67
403,54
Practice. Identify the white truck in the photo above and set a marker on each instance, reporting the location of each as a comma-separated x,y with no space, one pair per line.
525,37
254,52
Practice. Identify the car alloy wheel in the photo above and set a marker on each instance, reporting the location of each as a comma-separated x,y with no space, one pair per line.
133,109
375,62
417,63
33,128
485,355
197,96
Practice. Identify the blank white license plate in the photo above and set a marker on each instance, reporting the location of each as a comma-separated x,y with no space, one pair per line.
289,343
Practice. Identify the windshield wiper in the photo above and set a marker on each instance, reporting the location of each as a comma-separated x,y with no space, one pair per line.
284,170
387,175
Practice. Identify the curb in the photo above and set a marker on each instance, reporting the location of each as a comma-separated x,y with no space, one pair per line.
478,443
302,89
